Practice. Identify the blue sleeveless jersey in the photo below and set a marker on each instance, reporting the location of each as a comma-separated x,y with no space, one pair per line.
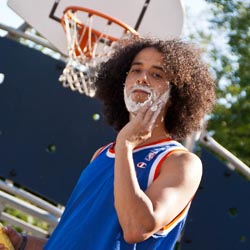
90,221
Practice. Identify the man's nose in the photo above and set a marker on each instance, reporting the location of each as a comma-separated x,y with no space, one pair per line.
143,79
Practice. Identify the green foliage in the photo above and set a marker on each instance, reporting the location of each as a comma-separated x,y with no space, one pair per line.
27,218
231,119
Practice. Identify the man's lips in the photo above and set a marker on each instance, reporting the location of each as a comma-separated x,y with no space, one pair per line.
140,91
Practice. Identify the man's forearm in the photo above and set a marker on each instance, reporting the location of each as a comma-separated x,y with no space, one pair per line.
133,206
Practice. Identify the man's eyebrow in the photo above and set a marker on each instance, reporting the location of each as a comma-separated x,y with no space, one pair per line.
136,63
158,67
154,66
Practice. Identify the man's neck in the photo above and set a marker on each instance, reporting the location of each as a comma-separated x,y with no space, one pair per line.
158,133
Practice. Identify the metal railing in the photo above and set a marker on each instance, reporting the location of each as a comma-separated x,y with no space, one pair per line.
26,202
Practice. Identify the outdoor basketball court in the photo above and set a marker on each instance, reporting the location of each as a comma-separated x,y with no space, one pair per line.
83,32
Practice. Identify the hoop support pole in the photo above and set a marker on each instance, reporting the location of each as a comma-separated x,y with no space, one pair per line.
208,141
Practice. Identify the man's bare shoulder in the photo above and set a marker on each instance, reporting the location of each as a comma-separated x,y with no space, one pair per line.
184,164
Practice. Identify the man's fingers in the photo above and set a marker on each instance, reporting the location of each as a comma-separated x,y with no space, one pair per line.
154,111
149,112
143,111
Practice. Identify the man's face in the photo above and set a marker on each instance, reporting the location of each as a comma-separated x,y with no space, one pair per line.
146,80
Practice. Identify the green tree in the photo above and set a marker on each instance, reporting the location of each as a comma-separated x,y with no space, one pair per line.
231,119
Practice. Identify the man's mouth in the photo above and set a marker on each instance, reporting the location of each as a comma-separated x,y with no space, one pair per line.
138,89
137,97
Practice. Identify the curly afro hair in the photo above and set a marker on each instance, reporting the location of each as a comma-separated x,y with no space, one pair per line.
192,92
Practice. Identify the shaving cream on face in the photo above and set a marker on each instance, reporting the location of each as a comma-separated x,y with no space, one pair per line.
162,100
133,106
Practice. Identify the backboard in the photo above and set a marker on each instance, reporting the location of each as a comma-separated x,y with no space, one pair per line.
158,18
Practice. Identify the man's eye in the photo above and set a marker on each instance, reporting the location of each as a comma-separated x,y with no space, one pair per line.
135,70
157,75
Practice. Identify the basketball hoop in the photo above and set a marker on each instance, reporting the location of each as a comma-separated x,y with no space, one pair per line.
90,35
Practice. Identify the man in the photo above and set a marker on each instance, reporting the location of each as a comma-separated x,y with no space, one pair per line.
136,192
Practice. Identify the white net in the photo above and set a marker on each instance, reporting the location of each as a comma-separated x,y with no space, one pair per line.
79,73
87,48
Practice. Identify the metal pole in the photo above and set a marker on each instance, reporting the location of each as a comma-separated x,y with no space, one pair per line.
31,37
208,141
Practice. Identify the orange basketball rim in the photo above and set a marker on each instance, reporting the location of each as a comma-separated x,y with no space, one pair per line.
87,37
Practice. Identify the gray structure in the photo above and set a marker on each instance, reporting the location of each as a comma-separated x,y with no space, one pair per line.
47,133
219,216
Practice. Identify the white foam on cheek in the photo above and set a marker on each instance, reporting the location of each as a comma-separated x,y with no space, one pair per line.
154,108
165,96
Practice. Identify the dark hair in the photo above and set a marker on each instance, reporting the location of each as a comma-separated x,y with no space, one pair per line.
192,93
